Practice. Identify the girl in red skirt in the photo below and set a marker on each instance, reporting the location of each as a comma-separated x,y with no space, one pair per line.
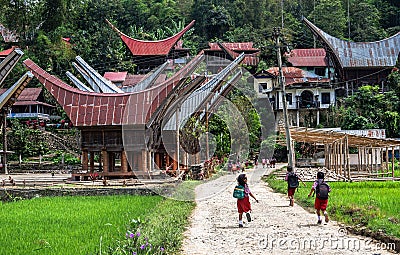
321,189
243,204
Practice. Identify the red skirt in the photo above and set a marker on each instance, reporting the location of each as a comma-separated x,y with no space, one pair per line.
291,191
320,204
243,205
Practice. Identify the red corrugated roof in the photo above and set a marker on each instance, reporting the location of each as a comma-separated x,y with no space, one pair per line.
32,103
133,79
249,59
115,76
235,46
7,52
152,48
295,75
28,94
308,57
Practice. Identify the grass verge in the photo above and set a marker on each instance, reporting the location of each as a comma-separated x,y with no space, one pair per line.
88,225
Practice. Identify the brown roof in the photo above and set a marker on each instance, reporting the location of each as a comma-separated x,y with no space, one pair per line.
28,94
32,103
308,57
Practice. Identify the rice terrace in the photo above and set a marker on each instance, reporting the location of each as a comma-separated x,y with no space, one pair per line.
126,127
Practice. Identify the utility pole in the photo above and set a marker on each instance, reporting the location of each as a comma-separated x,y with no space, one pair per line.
290,155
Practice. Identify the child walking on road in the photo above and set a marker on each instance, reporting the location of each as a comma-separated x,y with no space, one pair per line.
293,183
243,205
321,189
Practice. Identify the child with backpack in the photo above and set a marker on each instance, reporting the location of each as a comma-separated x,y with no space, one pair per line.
243,194
293,183
321,189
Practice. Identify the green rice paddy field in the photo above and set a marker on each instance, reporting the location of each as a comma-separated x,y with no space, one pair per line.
373,205
90,224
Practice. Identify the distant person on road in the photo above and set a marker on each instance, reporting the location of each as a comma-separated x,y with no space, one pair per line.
293,183
321,189
263,162
243,205
272,162
230,167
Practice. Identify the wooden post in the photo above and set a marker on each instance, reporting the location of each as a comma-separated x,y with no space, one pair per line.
347,154
4,158
144,160
92,161
85,159
124,162
341,158
387,160
326,155
358,160
367,168
334,158
104,156
393,162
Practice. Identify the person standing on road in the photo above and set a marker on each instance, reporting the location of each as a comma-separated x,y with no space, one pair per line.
243,205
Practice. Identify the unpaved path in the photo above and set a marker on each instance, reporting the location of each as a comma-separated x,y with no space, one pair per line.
276,228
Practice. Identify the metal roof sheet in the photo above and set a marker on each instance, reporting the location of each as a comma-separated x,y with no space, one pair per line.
308,57
115,76
383,53
294,75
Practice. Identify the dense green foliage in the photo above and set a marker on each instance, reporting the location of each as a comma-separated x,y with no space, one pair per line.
41,25
369,109
88,225
366,204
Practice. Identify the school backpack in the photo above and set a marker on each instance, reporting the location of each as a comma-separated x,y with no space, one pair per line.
322,190
238,192
293,180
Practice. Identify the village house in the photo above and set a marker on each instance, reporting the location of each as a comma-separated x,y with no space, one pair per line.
308,88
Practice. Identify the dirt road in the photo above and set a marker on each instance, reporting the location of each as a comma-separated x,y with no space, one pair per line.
276,228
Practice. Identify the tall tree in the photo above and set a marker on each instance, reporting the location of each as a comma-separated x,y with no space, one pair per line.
53,14
329,15
365,28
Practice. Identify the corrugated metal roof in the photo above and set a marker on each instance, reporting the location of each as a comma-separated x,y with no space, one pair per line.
235,46
115,76
29,94
251,59
308,57
295,75
5,53
383,53
32,103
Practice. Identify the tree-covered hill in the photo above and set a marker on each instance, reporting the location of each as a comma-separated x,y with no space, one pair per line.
41,25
